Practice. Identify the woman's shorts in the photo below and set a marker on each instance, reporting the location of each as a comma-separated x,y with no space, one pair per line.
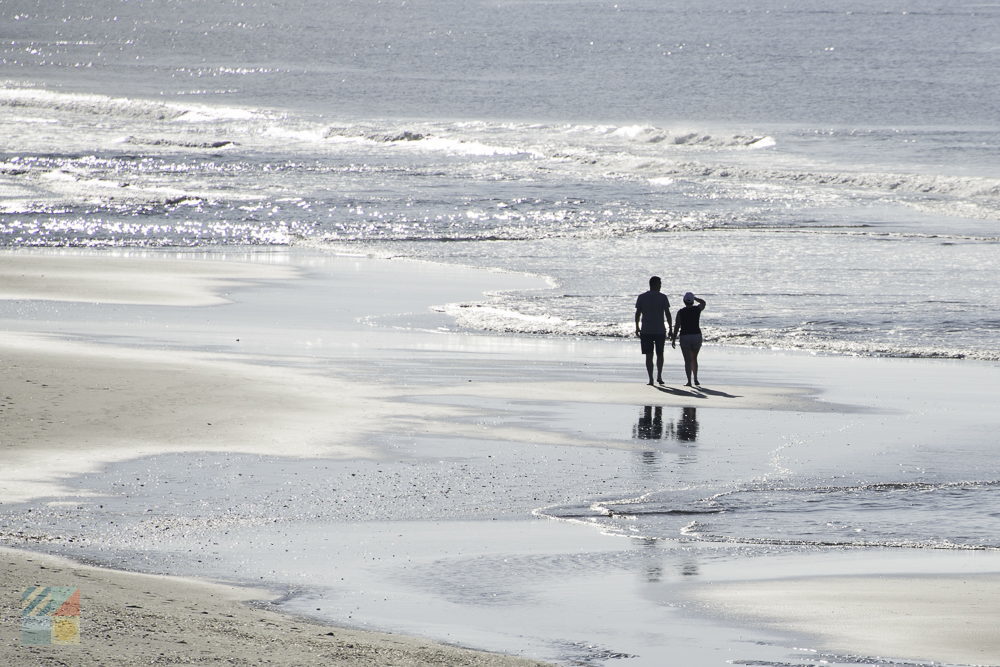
649,342
691,342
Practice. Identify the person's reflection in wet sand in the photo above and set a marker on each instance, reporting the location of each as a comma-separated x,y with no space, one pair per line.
650,427
685,431
687,427
650,424
655,569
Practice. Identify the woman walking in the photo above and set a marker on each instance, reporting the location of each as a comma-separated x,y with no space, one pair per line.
688,329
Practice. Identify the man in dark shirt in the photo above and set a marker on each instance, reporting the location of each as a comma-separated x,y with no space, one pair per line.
651,308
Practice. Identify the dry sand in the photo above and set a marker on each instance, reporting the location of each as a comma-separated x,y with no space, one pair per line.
138,619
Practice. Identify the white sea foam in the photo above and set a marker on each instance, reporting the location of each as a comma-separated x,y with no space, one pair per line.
306,134
506,320
651,134
642,133
462,147
663,181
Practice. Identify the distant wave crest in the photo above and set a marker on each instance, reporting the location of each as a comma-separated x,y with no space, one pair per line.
102,105
651,134
914,183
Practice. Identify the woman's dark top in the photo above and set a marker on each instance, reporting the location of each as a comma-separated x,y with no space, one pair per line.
689,319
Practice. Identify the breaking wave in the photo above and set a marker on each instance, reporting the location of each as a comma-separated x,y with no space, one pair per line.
650,134
889,182
120,107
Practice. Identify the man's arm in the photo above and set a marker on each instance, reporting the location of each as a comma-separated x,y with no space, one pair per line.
672,334
638,314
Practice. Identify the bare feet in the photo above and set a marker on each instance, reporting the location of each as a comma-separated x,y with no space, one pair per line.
659,380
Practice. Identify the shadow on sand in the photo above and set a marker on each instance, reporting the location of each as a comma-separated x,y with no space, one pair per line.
713,392
680,392
696,392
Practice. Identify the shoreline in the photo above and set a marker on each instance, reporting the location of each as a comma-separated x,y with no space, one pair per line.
81,401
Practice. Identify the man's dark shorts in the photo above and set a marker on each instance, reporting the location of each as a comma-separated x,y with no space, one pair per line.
649,342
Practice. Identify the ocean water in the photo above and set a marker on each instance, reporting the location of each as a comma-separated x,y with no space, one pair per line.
824,174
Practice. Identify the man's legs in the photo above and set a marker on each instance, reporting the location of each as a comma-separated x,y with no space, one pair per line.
661,343
651,345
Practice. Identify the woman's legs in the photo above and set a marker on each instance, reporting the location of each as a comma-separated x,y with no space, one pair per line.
690,347
694,364
686,351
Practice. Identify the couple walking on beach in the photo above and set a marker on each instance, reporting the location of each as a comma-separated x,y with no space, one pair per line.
653,324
